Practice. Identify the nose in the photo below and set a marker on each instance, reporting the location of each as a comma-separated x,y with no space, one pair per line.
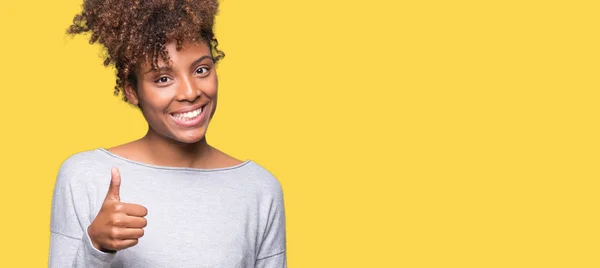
187,91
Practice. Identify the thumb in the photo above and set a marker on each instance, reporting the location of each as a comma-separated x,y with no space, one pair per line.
115,185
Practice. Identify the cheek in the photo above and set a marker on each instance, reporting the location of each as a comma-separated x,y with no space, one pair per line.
155,98
210,87
152,116
154,105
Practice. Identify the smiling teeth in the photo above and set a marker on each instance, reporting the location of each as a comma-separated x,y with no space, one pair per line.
188,115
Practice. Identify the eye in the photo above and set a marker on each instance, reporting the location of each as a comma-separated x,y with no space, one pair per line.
162,80
202,70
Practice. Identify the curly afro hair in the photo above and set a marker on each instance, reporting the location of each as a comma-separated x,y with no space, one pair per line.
134,32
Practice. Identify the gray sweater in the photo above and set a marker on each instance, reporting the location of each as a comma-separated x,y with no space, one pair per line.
225,217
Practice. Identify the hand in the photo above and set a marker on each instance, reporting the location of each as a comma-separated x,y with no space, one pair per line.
118,225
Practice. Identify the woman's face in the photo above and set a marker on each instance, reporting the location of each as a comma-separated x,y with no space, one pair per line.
179,99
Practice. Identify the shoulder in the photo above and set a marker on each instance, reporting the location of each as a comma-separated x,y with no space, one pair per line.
80,160
265,178
81,163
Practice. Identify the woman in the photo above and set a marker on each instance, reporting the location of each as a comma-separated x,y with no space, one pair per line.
168,199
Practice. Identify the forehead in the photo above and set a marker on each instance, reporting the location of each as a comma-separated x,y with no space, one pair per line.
187,54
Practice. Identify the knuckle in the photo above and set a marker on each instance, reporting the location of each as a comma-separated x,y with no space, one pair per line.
117,221
114,233
114,220
119,207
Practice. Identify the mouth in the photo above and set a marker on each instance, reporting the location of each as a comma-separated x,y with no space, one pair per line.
189,118
187,115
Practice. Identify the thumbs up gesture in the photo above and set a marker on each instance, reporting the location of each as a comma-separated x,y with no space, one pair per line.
118,225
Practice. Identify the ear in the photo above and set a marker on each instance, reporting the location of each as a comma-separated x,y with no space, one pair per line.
131,94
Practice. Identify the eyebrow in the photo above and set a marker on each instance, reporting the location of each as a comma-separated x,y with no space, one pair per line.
168,68
162,69
202,58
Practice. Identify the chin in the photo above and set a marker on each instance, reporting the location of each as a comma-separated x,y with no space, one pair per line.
191,138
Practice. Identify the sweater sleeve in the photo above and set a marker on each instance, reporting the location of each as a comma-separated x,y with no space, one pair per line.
70,245
272,253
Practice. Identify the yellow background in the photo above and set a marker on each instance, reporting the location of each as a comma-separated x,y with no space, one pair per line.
404,133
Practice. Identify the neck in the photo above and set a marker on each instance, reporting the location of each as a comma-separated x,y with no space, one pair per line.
167,152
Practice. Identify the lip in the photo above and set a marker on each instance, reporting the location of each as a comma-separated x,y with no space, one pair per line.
188,109
190,123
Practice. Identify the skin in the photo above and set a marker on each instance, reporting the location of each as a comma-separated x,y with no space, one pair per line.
188,79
